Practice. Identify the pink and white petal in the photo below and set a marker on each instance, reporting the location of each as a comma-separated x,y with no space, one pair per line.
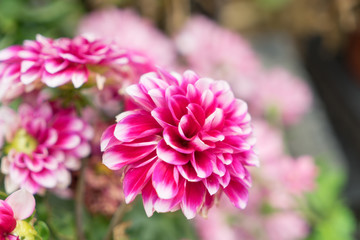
34,164
44,178
149,197
145,141
136,125
56,80
170,155
197,112
107,135
79,76
135,179
225,180
140,97
215,120
10,53
118,156
203,163
188,172
22,203
68,124
193,199
163,116
30,76
158,97
188,127
237,193
174,140
68,140
55,65
212,184
165,180
177,105
31,186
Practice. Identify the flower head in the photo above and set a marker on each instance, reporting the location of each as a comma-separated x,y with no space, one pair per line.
46,143
56,62
18,206
189,141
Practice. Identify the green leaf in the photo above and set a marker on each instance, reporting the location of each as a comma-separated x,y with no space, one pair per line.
42,230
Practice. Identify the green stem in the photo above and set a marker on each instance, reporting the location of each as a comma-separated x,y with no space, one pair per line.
79,201
115,220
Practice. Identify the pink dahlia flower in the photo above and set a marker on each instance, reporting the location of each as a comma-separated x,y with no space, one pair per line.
131,32
18,206
217,52
281,93
47,142
189,141
60,61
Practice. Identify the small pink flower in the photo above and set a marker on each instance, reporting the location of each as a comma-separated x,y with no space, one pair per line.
217,52
189,141
18,206
47,142
131,32
279,91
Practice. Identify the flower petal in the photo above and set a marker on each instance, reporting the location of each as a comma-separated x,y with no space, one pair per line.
193,199
169,155
22,203
203,163
237,193
165,180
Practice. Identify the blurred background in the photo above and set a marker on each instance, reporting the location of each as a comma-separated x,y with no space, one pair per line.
318,41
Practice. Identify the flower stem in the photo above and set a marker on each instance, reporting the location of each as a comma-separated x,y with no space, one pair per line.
79,201
115,220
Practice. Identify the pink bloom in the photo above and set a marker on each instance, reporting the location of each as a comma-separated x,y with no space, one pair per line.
47,142
300,174
286,226
130,32
18,206
283,93
60,61
217,52
189,141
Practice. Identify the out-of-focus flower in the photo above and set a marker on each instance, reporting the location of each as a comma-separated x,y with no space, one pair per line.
279,92
16,207
46,143
189,141
102,193
215,51
286,226
131,32
60,61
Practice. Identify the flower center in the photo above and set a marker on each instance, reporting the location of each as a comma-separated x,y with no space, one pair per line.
22,142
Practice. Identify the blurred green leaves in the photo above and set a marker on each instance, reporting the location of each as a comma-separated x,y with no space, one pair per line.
330,218
23,19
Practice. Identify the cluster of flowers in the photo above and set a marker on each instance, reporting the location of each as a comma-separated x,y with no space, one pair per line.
182,140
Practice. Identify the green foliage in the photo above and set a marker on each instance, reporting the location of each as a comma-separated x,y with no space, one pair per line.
164,226
23,19
42,230
330,218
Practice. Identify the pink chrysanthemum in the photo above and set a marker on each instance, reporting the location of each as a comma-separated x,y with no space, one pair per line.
47,142
131,32
60,61
18,206
189,141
